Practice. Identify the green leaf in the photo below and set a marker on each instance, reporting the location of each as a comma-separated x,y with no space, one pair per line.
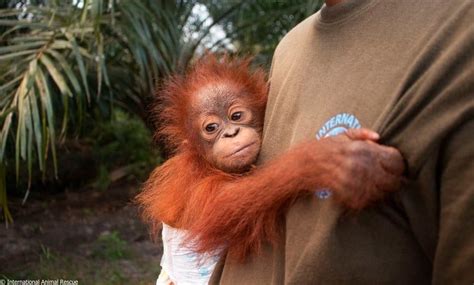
22,23
3,196
29,142
23,114
4,136
21,46
20,141
67,69
31,38
80,62
60,44
46,102
36,122
5,113
96,8
56,75
5,87
16,54
84,11
65,120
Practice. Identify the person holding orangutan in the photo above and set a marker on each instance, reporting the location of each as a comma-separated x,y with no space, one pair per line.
406,70
209,195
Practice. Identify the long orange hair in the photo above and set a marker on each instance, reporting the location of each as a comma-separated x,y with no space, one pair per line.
177,190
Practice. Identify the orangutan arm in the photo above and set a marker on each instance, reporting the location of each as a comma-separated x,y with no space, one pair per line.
240,213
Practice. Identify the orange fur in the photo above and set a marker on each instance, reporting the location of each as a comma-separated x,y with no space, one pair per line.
184,187
238,212
176,96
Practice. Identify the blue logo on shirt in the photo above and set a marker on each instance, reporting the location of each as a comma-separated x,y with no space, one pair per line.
336,125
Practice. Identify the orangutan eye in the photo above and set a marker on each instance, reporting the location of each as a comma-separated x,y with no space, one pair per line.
236,116
210,128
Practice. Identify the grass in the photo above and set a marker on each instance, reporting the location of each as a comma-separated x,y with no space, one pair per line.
112,262
110,246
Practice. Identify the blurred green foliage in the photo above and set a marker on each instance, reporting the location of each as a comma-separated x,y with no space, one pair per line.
110,246
63,64
256,27
124,145
66,67
123,140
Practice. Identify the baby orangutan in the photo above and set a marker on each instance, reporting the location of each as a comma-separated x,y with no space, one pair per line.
212,118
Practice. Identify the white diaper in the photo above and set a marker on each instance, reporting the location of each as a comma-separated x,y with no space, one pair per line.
181,264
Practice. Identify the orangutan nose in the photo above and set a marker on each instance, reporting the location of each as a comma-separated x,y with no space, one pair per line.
231,132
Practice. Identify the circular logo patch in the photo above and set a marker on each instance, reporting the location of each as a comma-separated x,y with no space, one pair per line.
336,125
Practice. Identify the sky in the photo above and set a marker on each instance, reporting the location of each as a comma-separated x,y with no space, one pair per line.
199,13
216,33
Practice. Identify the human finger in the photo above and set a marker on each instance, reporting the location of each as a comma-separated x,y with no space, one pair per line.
392,160
362,134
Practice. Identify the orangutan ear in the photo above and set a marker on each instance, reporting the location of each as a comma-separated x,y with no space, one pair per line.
184,143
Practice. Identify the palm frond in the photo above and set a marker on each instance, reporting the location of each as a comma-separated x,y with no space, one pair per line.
60,63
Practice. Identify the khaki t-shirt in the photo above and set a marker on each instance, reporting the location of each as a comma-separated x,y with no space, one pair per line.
406,69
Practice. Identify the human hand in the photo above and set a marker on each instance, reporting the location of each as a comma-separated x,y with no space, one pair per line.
357,169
